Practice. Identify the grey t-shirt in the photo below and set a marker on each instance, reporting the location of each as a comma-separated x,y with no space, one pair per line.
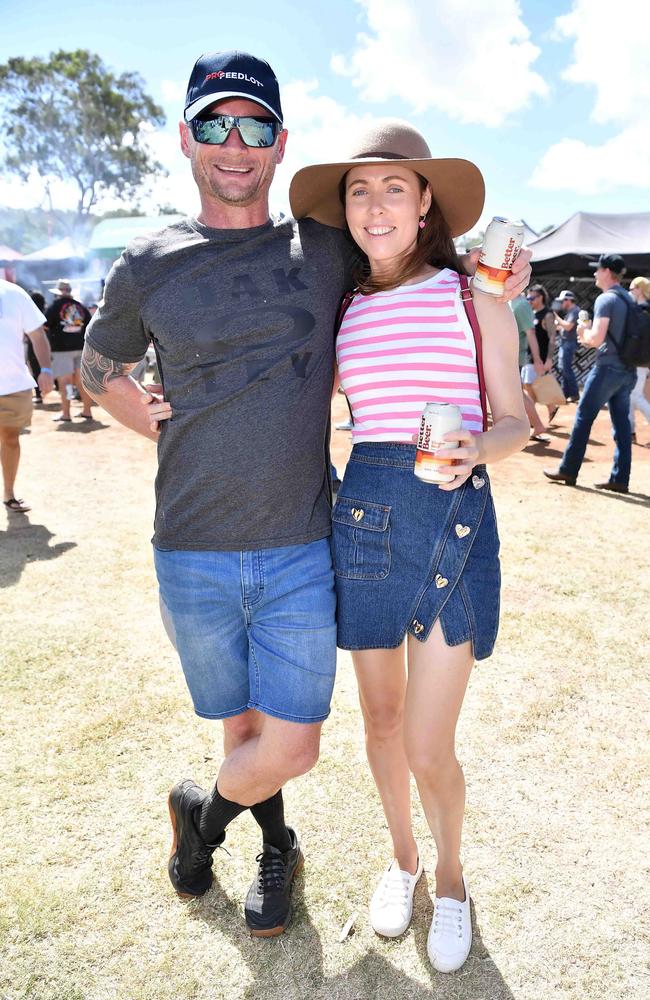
609,304
242,321
570,316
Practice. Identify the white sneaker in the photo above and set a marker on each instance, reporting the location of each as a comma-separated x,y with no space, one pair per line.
450,936
391,906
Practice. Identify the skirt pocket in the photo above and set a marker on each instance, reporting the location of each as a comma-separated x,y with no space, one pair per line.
361,539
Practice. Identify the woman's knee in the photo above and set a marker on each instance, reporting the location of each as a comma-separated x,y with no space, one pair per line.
431,764
383,718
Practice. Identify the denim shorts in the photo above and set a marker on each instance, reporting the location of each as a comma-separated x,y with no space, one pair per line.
254,629
407,553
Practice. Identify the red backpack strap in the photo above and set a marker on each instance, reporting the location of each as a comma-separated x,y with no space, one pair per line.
466,296
346,302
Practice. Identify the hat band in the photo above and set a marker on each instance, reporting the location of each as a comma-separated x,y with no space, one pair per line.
381,156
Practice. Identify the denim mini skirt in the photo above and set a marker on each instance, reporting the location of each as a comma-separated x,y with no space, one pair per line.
407,553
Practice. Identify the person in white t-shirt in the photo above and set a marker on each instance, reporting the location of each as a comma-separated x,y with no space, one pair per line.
18,316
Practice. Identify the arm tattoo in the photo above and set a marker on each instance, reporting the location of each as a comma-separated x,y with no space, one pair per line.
97,371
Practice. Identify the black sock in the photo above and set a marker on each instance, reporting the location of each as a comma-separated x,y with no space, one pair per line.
270,816
215,814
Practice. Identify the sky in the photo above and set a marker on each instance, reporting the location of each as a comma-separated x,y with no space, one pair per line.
549,98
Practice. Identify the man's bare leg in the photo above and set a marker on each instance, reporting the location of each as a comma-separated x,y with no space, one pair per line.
9,458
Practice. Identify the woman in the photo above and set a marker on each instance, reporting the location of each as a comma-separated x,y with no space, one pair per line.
640,290
541,349
416,564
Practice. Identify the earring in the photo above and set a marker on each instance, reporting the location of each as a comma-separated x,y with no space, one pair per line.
421,222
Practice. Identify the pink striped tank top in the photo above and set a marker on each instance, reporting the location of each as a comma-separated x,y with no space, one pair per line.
400,349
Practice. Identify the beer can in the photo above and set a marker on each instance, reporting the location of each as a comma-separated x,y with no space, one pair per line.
437,419
501,245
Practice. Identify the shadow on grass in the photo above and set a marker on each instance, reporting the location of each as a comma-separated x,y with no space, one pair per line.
591,443
80,426
638,499
23,543
292,965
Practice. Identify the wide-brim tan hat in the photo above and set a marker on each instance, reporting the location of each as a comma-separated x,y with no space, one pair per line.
457,185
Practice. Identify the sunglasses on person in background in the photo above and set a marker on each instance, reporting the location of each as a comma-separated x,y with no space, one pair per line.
531,298
215,129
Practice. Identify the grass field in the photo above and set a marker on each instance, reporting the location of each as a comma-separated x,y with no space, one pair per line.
96,725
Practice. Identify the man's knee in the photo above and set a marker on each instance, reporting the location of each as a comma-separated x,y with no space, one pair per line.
10,437
294,751
239,729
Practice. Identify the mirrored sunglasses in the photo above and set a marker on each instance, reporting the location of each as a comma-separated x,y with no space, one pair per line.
215,129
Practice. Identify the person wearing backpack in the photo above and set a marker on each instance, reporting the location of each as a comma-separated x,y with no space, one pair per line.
610,381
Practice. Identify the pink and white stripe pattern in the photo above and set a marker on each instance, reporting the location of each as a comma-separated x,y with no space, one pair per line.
400,349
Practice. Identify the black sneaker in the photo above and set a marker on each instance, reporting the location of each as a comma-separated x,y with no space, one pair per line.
268,903
190,860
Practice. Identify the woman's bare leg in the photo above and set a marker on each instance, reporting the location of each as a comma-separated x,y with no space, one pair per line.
381,677
438,676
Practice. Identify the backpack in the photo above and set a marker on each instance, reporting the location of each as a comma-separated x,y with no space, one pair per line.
634,347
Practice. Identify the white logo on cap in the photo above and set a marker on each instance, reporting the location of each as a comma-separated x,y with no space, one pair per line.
233,76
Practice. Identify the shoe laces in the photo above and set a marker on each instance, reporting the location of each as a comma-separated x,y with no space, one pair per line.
271,872
394,890
448,917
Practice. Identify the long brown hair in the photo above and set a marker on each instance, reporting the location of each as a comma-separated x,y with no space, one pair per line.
435,246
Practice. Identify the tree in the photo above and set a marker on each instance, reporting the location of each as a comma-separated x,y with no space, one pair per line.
69,117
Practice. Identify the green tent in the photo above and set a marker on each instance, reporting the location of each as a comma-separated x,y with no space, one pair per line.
110,236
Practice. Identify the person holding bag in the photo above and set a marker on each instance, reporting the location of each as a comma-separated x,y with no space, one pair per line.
416,563
536,375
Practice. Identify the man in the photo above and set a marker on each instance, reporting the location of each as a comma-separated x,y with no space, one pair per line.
240,310
67,320
525,319
567,325
18,316
609,381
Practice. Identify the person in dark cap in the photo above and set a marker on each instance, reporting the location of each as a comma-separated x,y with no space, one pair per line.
609,381
240,309
567,326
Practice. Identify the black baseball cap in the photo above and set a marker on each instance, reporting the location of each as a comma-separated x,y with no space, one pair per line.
217,75
613,261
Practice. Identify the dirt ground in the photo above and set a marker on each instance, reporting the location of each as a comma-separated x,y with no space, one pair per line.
96,725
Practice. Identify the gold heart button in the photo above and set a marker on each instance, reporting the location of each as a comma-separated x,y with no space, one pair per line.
357,514
462,530
477,482
417,626
441,581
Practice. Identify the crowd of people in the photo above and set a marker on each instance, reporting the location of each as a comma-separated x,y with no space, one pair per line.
545,326
257,598
40,351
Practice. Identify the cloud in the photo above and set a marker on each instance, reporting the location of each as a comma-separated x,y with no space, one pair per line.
33,193
467,58
177,189
320,130
611,54
573,165
173,92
